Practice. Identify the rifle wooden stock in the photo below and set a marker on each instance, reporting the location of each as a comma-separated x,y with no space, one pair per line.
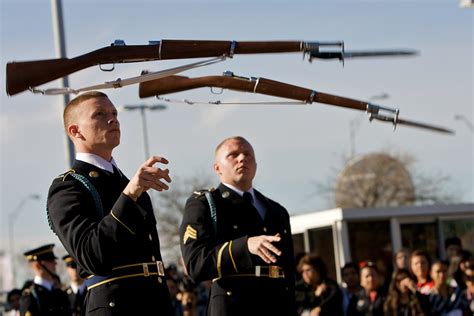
263,86
21,76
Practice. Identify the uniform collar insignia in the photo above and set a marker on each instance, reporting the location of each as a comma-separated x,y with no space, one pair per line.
93,174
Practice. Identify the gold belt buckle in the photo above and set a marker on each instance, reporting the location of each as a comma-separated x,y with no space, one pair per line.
273,271
160,268
146,272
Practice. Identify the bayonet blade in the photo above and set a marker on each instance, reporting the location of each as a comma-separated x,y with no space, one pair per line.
425,126
362,54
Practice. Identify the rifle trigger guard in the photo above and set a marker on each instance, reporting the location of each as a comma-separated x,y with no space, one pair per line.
107,69
217,91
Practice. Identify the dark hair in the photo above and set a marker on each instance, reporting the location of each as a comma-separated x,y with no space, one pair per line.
452,241
350,265
316,262
421,253
12,293
392,302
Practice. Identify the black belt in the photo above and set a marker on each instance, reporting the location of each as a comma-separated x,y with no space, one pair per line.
134,270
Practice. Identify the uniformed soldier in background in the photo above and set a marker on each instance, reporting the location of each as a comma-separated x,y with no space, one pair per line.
106,221
240,239
76,290
44,296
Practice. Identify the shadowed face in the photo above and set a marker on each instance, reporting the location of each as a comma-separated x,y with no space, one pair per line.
439,273
235,164
420,267
350,276
369,279
310,275
401,260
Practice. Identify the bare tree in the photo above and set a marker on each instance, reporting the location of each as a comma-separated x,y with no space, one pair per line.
170,209
384,179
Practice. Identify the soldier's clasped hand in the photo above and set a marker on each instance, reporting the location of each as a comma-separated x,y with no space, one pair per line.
262,247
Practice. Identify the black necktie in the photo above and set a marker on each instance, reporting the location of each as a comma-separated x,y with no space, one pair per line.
248,197
116,172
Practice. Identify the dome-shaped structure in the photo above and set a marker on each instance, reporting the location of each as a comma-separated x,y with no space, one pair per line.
374,180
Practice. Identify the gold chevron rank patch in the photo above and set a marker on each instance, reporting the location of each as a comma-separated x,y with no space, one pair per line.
189,233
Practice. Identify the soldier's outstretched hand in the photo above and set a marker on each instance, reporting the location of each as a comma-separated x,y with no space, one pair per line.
262,246
148,177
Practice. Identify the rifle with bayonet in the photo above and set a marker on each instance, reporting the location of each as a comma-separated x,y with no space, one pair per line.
21,76
264,86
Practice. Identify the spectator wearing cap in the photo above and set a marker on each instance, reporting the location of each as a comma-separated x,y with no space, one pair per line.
77,289
44,296
370,299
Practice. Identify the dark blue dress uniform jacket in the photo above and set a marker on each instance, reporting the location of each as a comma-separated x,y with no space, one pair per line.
36,300
221,254
125,234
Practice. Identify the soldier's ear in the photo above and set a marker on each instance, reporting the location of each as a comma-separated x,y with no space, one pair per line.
73,131
217,168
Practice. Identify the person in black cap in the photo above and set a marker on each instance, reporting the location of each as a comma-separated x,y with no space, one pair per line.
44,296
76,290
104,220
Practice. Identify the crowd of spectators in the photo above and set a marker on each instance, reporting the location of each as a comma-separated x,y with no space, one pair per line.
418,286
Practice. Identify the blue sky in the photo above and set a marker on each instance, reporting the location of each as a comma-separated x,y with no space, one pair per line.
296,146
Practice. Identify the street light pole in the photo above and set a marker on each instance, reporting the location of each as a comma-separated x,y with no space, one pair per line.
60,47
142,108
12,216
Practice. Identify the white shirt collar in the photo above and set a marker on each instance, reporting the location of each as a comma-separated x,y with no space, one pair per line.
44,283
97,161
74,287
240,192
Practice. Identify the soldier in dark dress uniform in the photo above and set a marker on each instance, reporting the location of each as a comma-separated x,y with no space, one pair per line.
104,220
44,296
76,290
240,239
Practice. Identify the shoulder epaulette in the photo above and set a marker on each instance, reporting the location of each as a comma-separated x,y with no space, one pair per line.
64,175
200,193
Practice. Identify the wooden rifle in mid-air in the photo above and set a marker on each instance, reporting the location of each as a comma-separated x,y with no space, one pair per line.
24,75
274,88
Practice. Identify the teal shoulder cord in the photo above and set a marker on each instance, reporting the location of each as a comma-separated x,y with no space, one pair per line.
89,186
213,209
